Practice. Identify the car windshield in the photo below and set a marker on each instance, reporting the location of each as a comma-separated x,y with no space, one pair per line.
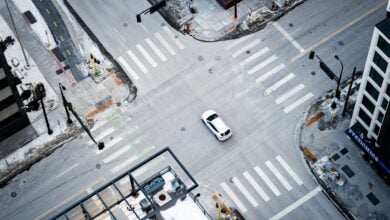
212,117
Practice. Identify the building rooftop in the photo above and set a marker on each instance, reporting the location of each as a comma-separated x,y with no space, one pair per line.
384,27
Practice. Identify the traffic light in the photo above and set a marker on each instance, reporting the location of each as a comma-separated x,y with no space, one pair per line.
157,6
327,70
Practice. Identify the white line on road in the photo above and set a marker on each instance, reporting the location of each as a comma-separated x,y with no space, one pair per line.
124,164
278,175
267,181
67,170
109,144
127,67
155,49
289,170
287,95
256,186
297,103
262,64
172,35
238,41
254,56
164,43
296,204
245,48
245,192
116,154
234,197
146,55
137,61
288,37
278,84
270,73
102,135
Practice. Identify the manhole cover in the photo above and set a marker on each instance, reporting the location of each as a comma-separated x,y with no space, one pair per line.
344,151
162,24
291,25
211,70
313,73
176,36
182,129
218,58
13,194
373,199
125,24
111,138
248,52
348,171
341,43
98,166
200,58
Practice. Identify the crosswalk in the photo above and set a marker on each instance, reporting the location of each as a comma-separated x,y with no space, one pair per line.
254,186
150,53
269,72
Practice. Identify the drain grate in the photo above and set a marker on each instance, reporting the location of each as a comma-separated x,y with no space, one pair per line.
373,199
348,171
344,151
335,157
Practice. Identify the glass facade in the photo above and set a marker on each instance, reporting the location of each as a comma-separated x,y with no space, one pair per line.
368,104
380,62
384,46
363,115
376,77
372,91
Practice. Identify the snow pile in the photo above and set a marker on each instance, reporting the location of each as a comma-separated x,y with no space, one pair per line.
255,17
327,172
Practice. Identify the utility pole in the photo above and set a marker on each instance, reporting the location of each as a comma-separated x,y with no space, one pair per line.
349,91
40,93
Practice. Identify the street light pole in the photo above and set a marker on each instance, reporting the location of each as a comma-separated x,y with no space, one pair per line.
65,103
339,79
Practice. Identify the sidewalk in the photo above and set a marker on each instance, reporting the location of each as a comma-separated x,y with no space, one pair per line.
337,164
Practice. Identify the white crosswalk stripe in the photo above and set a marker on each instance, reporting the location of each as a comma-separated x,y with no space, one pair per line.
297,103
137,61
109,144
102,135
289,170
238,41
245,192
262,64
270,73
165,43
245,48
256,186
254,56
116,154
278,84
155,49
171,34
128,69
267,181
124,164
290,93
278,175
146,55
234,197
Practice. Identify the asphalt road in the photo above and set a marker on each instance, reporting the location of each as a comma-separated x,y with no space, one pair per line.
238,79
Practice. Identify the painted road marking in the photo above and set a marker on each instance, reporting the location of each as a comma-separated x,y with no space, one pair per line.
234,197
278,84
124,164
137,61
109,144
146,55
67,170
172,35
297,103
296,204
278,175
245,192
155,49
267,181
254,56
288,37
256,186
116,154
245,48
164,43
127,67
289,170
270,73
262,64
102,135
238,41
287,95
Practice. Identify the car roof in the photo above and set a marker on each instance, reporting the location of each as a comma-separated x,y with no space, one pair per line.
219,124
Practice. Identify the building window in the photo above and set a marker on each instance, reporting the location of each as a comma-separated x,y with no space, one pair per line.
376,129
372,91
380,117
364,117
384,46
380,62
384,104
378,79
368,104
388,90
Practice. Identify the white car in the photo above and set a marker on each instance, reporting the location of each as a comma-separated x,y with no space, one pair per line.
216,125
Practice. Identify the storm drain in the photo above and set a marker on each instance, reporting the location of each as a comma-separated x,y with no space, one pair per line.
348,171
373,199
335,157
344,151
